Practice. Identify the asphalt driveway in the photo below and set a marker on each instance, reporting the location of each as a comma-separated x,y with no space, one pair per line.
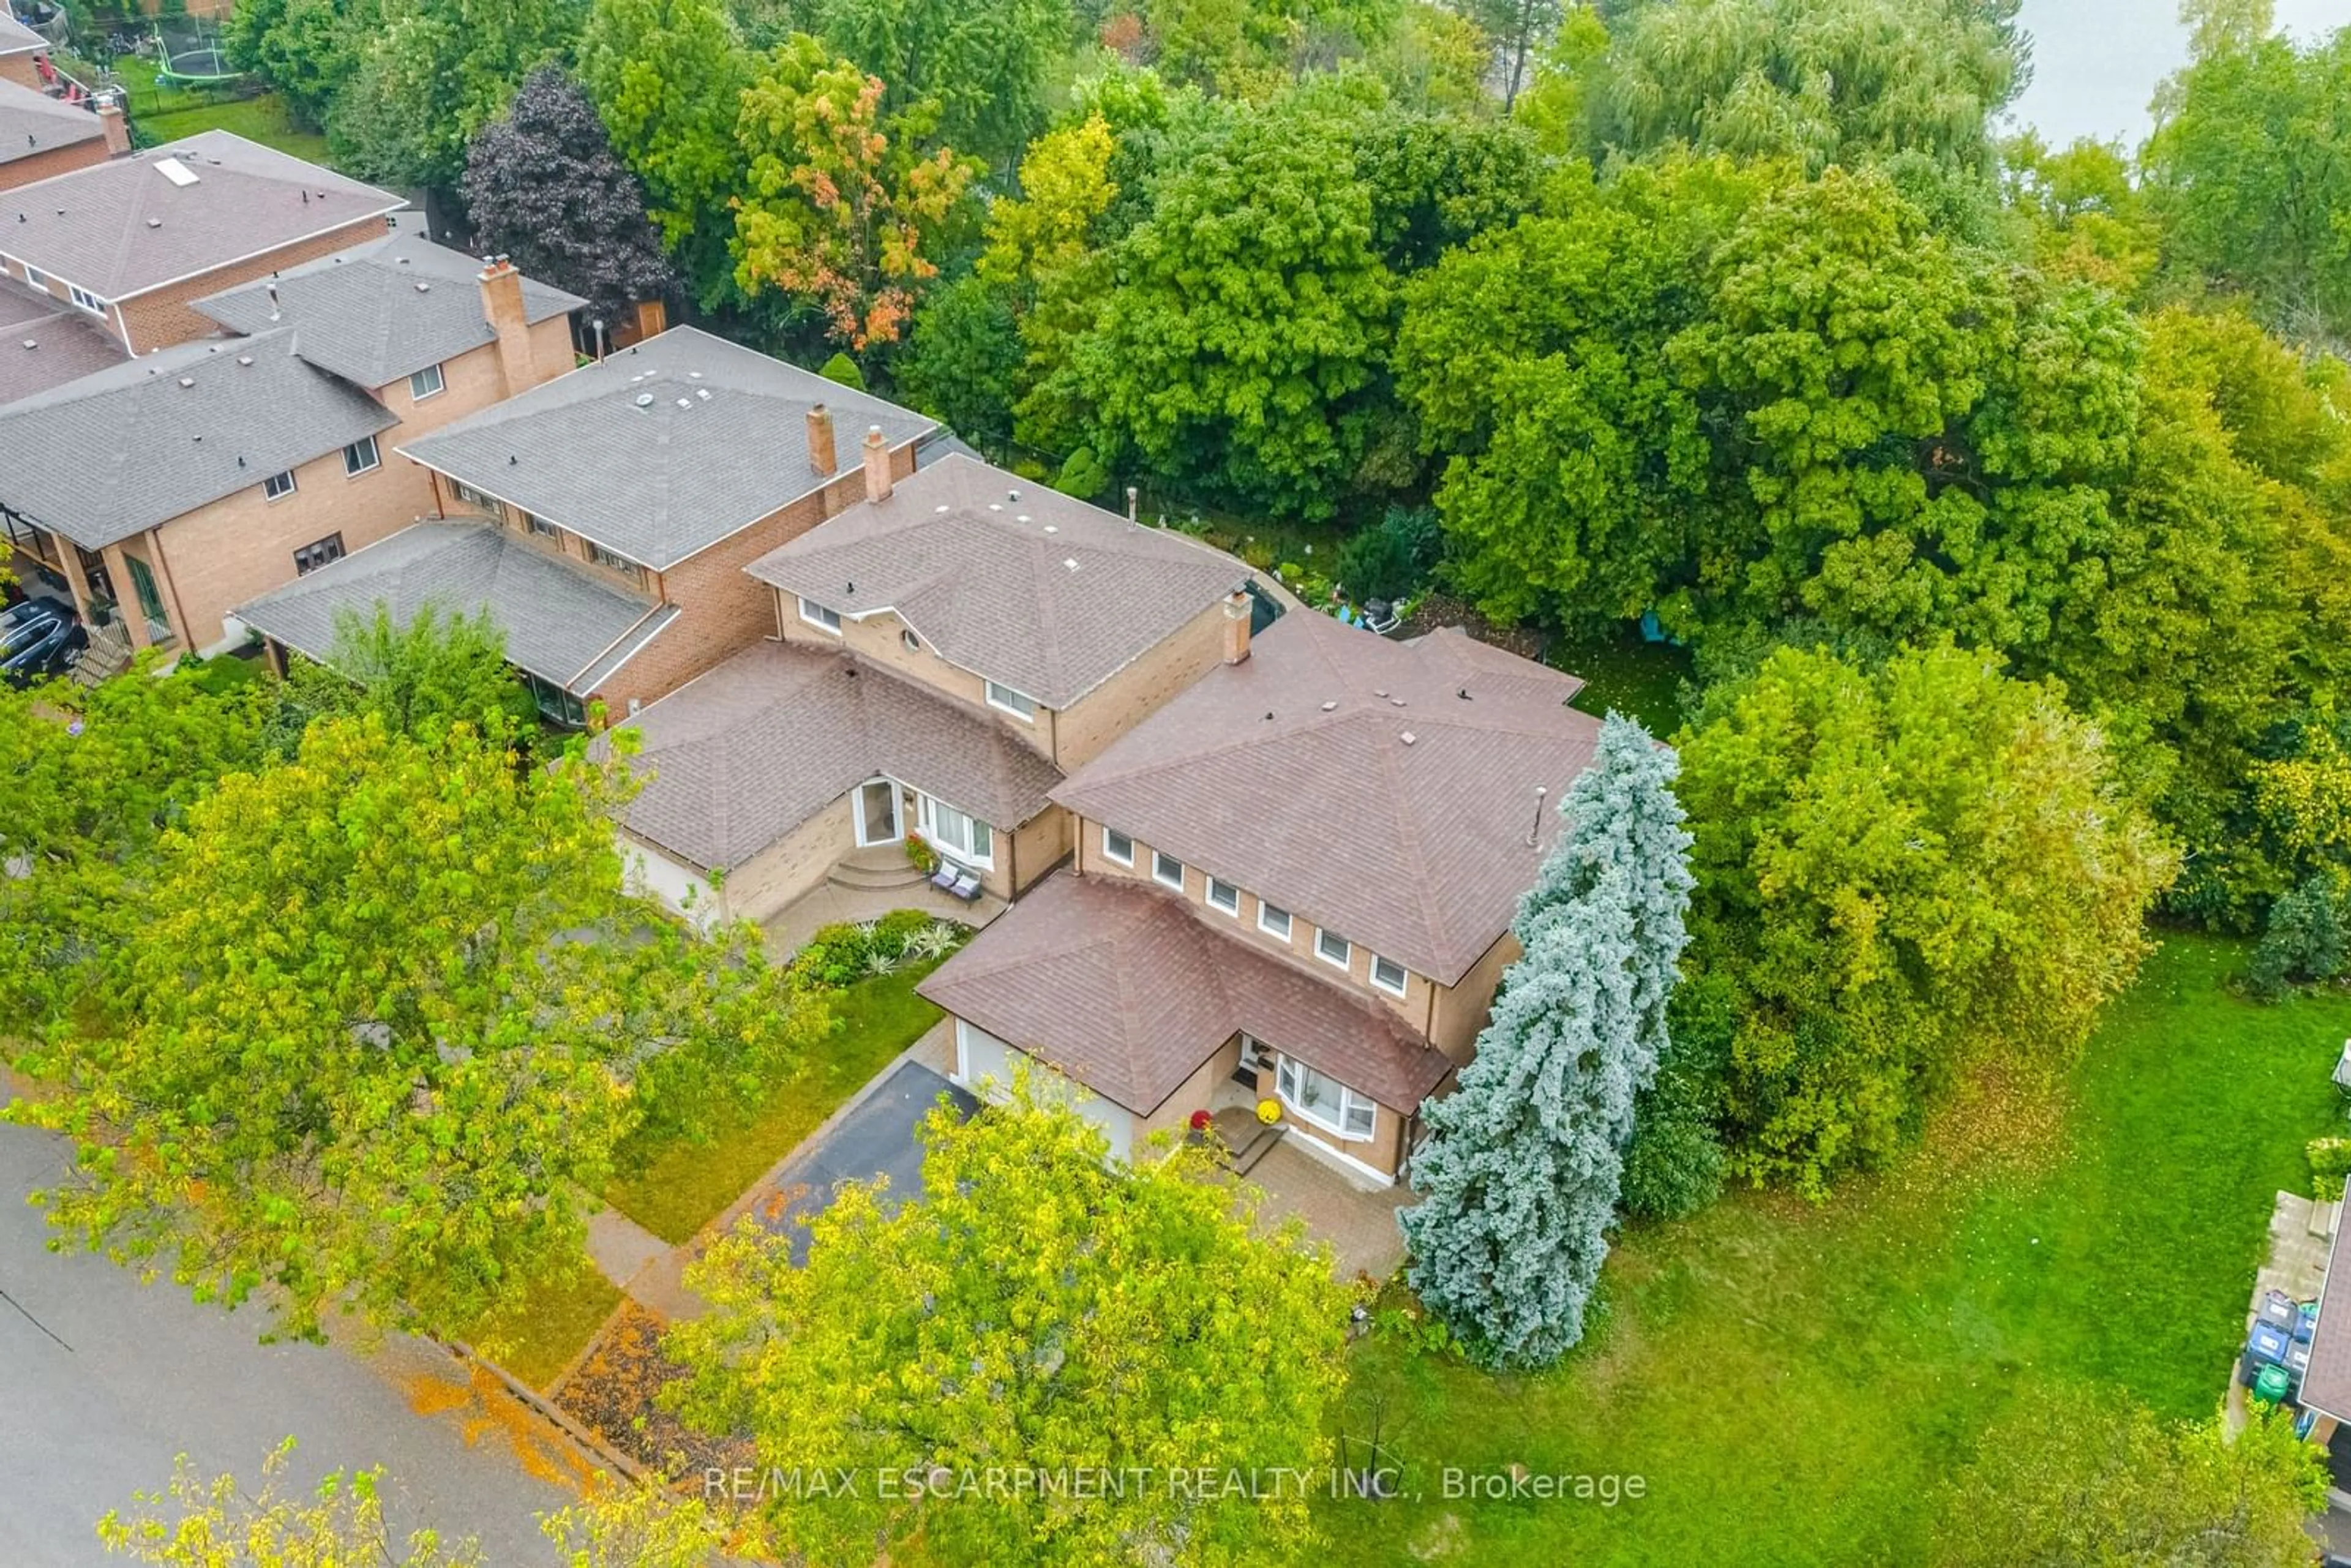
876,1138
103,1381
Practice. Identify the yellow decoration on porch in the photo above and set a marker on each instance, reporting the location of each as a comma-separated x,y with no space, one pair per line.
1268,1111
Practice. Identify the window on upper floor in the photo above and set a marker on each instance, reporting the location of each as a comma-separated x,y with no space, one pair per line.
1166,868
37,278
278,486
317,553
462,492
1020,704
533,523
1333,949
361,457
427,382
598,556
816,614
1118,846
1388,975
1224,895
1273,920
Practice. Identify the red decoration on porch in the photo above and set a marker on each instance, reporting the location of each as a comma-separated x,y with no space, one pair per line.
1200,1120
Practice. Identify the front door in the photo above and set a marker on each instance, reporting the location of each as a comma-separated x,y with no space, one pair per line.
877,812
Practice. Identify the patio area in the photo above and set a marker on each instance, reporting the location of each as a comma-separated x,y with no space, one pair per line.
1359,1223
852,893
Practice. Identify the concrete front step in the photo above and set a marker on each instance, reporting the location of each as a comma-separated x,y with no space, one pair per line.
882,865
107,655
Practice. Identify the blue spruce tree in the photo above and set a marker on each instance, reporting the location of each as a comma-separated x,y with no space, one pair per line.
1521,1167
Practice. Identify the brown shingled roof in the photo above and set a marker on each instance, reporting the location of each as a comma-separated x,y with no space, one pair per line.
1385,790
1011,579
1118,984
743,755
2327,1381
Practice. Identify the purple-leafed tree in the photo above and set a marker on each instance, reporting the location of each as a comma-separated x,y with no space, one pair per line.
546,188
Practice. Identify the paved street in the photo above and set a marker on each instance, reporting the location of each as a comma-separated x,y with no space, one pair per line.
103,1381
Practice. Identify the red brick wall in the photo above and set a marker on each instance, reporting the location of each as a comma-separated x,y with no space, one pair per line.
18,67
163,318
56,161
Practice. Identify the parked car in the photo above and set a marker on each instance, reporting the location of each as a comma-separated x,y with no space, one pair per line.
39,638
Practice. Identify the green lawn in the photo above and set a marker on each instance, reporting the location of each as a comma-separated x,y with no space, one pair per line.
676,1187
539,1339
1640,679
1791,1383
161,113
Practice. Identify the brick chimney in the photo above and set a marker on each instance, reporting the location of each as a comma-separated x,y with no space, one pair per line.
117,130
502,309
823,456
1237,626
877,466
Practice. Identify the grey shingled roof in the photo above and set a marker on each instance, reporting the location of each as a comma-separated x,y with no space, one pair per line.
741,756
1121,986
121,227
44,342
562,625
663,449
33,122
111,455
16,38
380,311
1291,774
1013,579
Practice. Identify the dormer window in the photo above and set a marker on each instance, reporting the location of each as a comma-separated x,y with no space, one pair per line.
1020,704
817,615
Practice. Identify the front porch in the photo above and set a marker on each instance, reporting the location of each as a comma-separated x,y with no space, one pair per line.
866,885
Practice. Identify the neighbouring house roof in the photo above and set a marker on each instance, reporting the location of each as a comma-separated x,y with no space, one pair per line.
2327,1381
1010,579
16,38
562,623
1385,789
1118,984
124,227
380,311
664,448
44,342
32,123
741,756
131,448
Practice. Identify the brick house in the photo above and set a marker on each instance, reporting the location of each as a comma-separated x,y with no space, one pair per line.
1294,880
137,240
182,484
23,51
41,136
658,473
944,652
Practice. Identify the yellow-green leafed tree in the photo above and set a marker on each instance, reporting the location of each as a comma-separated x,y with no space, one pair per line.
1039,1316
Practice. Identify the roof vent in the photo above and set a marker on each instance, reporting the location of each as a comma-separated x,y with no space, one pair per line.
1409,737
996,506
1072,563
693,375
1024,518
154,223
187,380
32,343
685,402
1330,707
245,358
940,507
423,287
1053,528
644,400
1395,702
702,392
1380,692
1011,495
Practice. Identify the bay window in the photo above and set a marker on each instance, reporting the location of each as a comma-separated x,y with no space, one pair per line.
956,834
1325,1101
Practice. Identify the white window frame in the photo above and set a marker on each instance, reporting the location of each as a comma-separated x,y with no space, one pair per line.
334,539
84,300
897,834
417,392
926,813
1111,854
1234,908
1403,979
1160,858
36,278
1346,958
269,491
598,555
1288,1074
532,523
818,616
374,457
1018,704
1267,926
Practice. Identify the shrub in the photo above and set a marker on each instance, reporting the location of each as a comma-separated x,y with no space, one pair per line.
893,930
2303,940
2329,1158
919,855
1393,556
1082,475
843,370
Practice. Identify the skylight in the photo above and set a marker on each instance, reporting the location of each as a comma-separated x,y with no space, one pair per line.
179,174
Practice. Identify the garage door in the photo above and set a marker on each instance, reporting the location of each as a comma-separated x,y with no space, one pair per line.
980,1055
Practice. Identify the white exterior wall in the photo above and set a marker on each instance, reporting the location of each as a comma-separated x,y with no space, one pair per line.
644,871
982,1059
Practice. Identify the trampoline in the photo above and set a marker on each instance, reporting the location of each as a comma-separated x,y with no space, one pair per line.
196,60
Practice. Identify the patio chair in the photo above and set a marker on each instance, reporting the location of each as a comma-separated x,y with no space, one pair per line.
943,879
967,887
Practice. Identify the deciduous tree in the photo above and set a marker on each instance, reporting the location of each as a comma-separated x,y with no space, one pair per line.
545,188
1035,1309
843,211
388,1015
1901,870
983,63
1524,1162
